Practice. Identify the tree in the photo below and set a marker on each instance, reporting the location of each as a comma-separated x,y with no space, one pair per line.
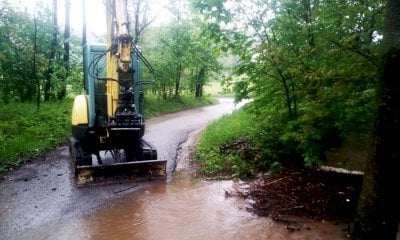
170,57
180,53
67,30
310,64
378,213
52,55
202,60
34,72
25,40
141,18
180,36
16,53
66,55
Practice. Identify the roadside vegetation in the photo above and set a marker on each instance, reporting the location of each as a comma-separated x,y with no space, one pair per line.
26,132
311,77
229,128
229,147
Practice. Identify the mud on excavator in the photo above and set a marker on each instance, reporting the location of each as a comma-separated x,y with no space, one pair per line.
107,121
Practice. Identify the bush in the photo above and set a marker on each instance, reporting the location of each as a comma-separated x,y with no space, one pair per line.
230,147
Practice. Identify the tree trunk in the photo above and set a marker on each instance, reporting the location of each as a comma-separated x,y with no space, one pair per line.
34,65
84,71
140,18
378,208
62,93
294,100
67,35
307,16
136,16
287,93
178,80
164,90
200,82
53,48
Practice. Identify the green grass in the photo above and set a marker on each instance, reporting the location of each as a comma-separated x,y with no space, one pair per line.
211,162
26,132
214,88
154,106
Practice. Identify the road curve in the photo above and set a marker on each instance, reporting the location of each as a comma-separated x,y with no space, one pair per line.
42,192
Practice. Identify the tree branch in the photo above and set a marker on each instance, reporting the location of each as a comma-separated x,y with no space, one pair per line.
370,58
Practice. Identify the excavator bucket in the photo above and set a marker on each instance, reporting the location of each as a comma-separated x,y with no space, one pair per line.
115,167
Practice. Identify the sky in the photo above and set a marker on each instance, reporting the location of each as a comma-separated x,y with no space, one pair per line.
95,14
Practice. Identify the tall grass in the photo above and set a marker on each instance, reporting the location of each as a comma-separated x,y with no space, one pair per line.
233,127
27,131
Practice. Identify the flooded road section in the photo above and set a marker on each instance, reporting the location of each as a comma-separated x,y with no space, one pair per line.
181,209
40,201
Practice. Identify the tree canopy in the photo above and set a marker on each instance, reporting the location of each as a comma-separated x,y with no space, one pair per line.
310,66
35,65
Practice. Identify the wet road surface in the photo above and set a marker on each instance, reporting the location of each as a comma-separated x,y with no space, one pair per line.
40,200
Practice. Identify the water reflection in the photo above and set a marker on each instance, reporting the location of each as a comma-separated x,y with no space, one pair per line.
184,208
189,209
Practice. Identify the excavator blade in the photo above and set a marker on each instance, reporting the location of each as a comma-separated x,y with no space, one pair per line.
135,171
116,166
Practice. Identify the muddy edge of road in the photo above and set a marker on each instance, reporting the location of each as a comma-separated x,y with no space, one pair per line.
185,153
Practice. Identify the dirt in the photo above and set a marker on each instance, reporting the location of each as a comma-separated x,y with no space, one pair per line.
328,194
318,195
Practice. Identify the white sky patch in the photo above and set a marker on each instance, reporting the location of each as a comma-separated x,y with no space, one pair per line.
95,14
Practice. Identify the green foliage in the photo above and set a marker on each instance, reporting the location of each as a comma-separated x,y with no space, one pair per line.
230,147
216,134
26,131
309,66
182,58
25,55
154,105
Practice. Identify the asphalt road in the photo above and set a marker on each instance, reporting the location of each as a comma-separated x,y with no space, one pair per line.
42,193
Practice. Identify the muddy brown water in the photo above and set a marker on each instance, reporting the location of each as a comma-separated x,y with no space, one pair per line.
185,208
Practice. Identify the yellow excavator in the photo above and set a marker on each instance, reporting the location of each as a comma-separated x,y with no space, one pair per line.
107,120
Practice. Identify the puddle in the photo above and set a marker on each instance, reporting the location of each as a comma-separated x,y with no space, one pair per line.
188,208
185,209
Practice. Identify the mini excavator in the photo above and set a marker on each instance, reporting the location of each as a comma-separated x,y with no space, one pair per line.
107,121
